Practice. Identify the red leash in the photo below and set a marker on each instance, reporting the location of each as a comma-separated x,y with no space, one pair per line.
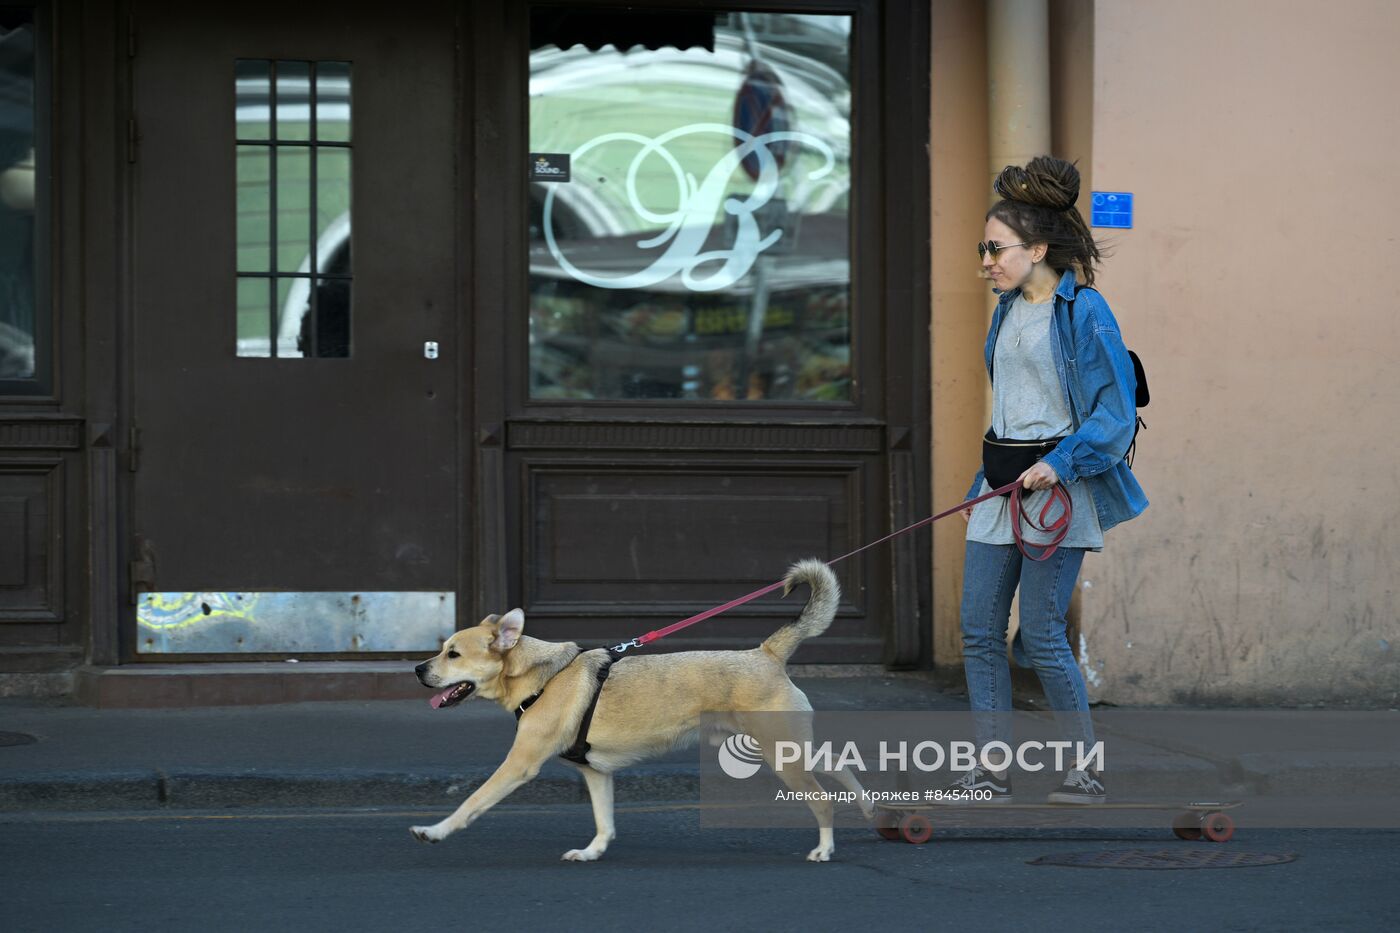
1058,528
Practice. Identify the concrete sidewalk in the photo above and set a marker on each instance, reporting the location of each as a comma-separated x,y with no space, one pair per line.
403,753
383,752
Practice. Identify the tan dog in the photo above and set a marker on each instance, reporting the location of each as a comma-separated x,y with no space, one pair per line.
648,705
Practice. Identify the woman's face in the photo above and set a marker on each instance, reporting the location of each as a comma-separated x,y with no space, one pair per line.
1013,264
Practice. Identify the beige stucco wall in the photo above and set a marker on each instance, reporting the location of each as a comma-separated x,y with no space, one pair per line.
958,165
1258,285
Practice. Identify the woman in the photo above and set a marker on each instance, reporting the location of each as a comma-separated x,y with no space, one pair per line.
1059,371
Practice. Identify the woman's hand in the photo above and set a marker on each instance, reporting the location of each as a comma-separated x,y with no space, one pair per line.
1040,476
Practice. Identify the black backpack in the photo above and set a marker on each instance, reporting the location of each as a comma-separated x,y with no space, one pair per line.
1140,400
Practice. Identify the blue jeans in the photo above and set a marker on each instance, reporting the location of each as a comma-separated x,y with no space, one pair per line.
991,573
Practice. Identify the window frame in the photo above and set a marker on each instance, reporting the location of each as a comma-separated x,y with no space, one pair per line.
314,277
865,230
42,386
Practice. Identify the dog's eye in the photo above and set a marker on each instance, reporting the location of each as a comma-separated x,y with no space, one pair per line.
453,654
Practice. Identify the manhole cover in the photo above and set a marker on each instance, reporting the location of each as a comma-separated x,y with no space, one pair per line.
1166,858
16,738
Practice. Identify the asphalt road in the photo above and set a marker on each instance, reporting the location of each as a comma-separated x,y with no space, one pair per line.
319,870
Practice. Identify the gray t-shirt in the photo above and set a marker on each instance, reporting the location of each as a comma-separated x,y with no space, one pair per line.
1029,404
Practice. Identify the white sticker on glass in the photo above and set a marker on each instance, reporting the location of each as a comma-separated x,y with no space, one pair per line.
689,225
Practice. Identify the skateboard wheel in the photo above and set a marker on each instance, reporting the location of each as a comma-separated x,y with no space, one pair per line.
1218,827
887,825
1187,826
915,829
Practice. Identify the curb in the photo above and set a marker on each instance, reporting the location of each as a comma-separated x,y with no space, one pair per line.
195,790
254,788
152,790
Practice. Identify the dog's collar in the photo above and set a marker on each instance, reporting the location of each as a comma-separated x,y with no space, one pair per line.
530,700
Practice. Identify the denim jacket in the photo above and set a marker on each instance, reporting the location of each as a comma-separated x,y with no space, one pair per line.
1096,374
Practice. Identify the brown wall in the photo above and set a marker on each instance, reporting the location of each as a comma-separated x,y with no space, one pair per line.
1258,284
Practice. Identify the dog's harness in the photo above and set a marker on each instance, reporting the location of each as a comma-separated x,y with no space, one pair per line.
578,752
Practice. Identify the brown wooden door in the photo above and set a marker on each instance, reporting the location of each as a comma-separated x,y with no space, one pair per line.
331,471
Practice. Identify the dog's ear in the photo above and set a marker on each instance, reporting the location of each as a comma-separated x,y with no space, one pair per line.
508,630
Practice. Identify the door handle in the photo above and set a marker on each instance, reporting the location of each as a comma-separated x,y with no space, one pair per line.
430,350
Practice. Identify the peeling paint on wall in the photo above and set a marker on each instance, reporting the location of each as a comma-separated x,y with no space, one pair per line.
1091,675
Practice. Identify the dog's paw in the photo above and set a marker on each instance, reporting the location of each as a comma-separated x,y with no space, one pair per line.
589,854
821,854
426,833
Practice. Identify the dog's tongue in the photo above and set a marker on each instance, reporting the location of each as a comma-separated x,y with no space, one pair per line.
440,698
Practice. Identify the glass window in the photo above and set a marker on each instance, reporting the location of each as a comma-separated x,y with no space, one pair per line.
689,206
24,318
292,171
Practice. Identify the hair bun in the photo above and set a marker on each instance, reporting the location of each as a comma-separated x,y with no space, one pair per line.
1045,181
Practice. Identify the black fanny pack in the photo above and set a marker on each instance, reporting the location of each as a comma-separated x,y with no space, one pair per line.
1005,458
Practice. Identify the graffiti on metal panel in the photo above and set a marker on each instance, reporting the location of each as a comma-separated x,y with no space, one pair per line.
178,610
687,227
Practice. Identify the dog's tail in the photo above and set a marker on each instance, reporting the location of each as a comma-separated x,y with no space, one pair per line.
816,615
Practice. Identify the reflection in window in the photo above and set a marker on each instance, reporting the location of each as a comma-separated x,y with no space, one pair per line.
22,328
689,205
293,227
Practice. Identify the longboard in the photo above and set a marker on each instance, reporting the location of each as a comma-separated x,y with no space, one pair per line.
1195,820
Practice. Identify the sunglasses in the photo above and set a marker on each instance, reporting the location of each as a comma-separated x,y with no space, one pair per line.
993,247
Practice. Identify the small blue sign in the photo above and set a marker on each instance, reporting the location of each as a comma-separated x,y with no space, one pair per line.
1112,209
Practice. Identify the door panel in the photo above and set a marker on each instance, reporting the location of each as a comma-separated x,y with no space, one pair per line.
331,475
611,543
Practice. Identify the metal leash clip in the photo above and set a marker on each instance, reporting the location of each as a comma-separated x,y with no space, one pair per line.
634,643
